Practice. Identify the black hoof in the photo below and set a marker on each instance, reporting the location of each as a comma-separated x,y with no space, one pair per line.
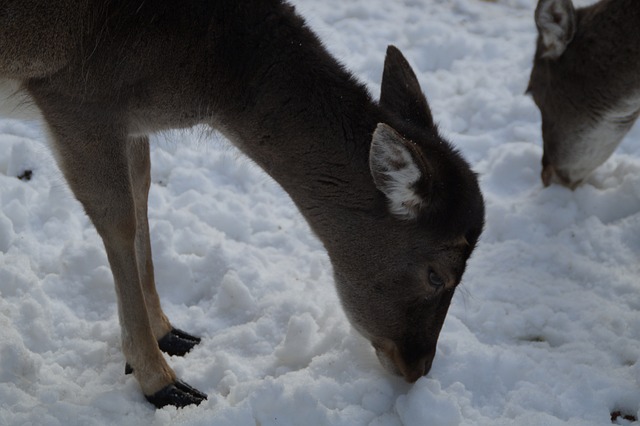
178,394
177,342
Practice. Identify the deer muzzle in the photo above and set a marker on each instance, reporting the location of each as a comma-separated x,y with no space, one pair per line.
395,362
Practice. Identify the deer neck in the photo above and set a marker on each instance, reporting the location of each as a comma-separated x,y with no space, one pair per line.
608,31
317,150
299,115
605,57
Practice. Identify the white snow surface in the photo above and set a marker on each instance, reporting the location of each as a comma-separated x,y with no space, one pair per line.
544,329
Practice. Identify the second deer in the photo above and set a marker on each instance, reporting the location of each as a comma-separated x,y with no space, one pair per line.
586,82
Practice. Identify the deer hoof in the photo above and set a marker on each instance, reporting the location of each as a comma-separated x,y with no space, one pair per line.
178,394
177,342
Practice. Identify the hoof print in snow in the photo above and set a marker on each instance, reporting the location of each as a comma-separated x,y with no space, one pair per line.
178,394
177,342
26,175
617,415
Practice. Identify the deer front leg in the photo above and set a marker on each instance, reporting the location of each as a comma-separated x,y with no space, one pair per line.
170,340
93,155
140,346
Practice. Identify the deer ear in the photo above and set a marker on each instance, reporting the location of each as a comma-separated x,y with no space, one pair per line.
556,22
400,92
396,171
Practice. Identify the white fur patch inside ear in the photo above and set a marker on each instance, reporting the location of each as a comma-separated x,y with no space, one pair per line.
395,172
556,21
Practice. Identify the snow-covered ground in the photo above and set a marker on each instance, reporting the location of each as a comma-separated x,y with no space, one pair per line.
544,330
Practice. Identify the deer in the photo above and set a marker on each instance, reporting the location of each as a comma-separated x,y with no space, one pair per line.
397,207
585,80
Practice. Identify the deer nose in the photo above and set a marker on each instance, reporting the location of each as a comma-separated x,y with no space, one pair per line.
394,361
420,368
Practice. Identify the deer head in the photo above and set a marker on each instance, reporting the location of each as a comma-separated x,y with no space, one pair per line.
401,270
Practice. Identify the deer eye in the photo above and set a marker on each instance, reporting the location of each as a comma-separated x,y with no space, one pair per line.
435,280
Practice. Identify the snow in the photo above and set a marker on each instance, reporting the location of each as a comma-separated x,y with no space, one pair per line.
544,330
